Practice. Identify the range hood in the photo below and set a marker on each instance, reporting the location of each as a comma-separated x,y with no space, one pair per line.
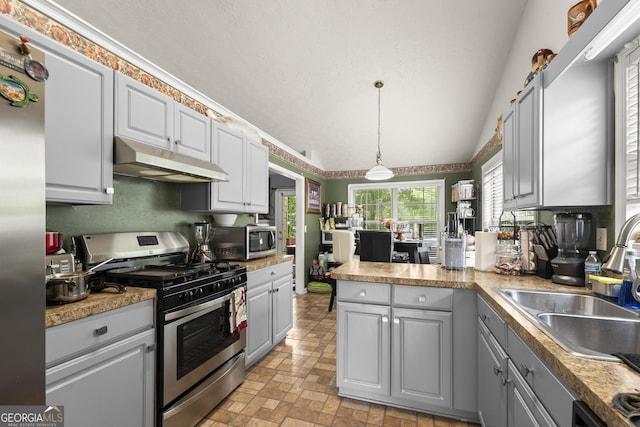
134,158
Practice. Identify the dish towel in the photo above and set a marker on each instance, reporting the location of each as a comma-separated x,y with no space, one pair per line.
240,310
629,405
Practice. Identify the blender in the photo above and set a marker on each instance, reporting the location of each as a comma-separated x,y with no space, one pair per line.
202,253
573,231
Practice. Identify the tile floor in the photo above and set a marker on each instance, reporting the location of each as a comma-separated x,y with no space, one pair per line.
294,385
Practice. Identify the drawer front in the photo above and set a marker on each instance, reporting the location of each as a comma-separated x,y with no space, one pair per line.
423,297
364,292
553,394
80,336
494,322
268,274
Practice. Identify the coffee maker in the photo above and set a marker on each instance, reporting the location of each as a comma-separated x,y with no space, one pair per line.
202,252
573,231
454,239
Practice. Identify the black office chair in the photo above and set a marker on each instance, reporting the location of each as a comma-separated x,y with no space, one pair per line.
376,245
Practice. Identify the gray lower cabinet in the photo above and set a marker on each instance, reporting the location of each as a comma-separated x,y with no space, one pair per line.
407,346
78,122
515,388
102,368
421,351
269,309
362,353
492,378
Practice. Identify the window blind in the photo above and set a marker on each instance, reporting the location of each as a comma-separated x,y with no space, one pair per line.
492,197
631,131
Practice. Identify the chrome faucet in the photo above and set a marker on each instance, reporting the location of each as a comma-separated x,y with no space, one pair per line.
615,263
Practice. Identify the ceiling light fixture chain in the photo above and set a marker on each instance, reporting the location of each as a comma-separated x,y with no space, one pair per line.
379,172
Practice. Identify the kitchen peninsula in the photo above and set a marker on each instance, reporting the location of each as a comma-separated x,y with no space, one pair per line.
594,382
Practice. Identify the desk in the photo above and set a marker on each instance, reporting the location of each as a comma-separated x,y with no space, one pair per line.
417,249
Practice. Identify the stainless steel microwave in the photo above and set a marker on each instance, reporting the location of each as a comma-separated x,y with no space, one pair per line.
243,243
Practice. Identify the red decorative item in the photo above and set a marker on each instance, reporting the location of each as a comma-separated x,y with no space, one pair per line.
52,242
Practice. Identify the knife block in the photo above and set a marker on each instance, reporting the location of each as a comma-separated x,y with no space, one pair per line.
544,269
543,266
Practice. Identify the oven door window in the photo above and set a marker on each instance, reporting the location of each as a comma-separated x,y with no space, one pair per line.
261,241
202,338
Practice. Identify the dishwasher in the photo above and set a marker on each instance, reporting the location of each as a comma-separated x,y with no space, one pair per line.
583,416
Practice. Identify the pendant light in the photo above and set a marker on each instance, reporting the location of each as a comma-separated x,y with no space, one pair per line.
379,172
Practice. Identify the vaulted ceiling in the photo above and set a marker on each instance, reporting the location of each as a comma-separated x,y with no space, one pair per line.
303,71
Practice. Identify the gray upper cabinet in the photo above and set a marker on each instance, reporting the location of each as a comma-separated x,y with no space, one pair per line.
142,113
79,134
521,148
247,163
148,116
559,134
78,123
192,133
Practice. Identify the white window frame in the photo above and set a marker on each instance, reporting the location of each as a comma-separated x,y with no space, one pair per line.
630,54
394,186
489,165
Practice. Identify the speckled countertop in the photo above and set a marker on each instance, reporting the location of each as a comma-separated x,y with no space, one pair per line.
108,299
595,382
257,264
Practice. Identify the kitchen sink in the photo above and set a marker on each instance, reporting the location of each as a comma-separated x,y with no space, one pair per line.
534,302
583,324
595,337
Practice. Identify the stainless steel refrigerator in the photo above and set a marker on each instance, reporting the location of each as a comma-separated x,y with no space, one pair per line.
22,222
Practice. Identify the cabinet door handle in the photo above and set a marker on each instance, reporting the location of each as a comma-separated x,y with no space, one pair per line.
484,317
422,298
363,293
525,370
385,319
109,190
101,331
177,141
396,320
497,370
506,381
273,273
151,348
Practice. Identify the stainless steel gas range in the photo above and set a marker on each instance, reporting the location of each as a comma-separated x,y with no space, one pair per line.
200,317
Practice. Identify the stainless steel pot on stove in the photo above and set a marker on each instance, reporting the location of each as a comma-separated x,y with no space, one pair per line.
70,287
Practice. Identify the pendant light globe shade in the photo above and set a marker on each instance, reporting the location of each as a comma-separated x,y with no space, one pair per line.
379,172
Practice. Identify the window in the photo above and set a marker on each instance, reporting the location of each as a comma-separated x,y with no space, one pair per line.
627,76
412,201
493,197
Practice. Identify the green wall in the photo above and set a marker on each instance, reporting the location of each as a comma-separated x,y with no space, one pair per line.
312,221
138,205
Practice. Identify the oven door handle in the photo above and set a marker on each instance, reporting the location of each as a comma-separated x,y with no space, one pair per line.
197,308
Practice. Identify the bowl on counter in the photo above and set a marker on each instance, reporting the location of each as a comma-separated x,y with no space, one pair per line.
225,220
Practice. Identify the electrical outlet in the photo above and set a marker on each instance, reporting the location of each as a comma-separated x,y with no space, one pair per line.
601,239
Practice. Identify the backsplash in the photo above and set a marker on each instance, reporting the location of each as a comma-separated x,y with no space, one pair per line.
138,205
